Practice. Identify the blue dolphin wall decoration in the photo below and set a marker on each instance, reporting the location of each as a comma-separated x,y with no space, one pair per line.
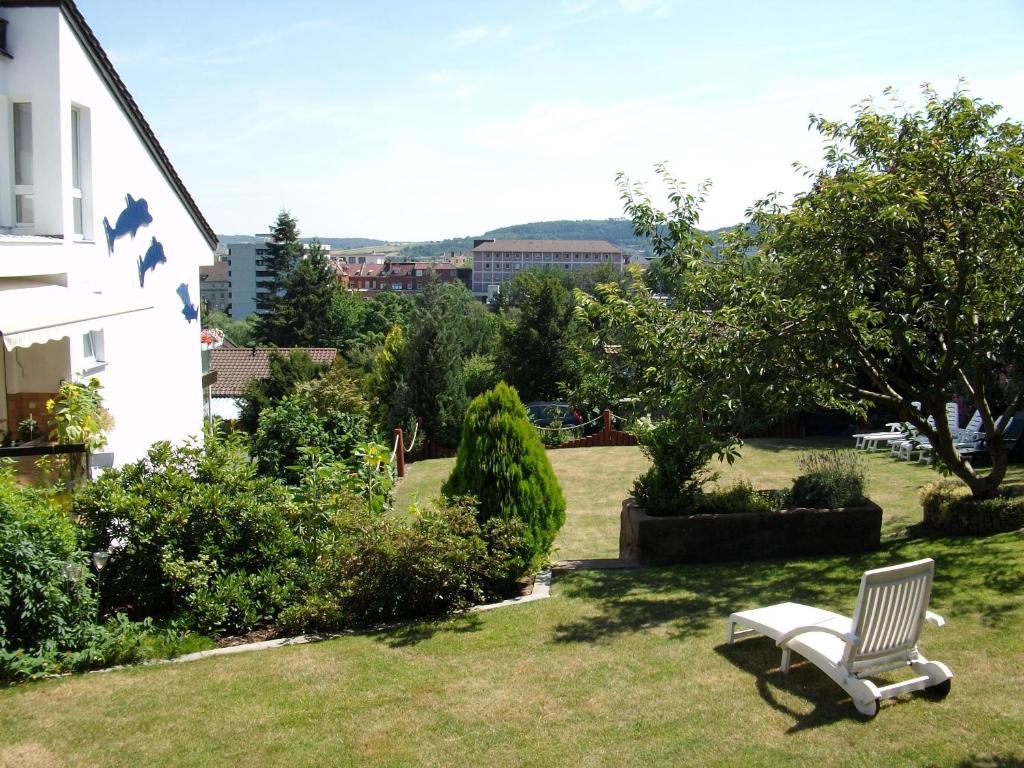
134,216
188,309
154,255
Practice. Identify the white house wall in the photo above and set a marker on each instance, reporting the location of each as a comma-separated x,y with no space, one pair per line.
152,375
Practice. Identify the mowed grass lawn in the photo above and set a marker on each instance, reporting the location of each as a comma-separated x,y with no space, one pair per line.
619,668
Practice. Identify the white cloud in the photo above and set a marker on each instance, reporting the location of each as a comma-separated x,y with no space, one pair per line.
477,34
659,8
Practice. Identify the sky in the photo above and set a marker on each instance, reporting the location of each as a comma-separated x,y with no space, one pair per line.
414,120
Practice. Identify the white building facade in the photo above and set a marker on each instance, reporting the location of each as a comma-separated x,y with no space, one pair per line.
495,262
100,242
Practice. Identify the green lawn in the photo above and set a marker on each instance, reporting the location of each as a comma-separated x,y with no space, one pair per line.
619,668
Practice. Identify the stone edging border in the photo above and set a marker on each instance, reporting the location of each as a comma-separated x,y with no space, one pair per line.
541,591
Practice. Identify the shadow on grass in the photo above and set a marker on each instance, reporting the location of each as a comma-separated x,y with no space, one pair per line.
982,577
760,657
992,761
415,632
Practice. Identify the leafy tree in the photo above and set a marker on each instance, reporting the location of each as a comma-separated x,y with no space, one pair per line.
896,278
285,374
536,356
285,251
240,332
502,463
480,374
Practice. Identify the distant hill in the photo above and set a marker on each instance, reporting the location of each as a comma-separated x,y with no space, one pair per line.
618,232
334,243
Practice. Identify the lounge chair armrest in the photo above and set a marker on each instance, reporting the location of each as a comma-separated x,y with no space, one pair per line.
934,618
847,637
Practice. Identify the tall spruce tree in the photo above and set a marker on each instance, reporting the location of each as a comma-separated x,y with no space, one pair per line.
436,390
305,313
284,252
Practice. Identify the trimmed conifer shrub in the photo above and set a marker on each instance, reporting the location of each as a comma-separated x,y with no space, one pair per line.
502,463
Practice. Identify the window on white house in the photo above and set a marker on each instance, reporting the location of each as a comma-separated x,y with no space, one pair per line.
76,170
92,348
24,212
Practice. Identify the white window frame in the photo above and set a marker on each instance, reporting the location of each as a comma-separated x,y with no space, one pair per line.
78,128
21,190
94,353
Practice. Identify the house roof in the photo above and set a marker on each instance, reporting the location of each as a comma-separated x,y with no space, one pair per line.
547,246
120,92
391,269
214,273
238,366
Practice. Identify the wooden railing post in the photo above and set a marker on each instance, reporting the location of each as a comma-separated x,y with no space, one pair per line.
607,420
400,451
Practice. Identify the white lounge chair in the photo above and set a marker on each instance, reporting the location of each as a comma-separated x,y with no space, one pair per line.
881,636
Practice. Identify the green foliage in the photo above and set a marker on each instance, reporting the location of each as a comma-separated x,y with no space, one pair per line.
830,479
536,346
949,508
184,519
679,450
284,252
893,279
78,416
240,332
436,390
502,463
312,310
375,568
286,373
47,604
39,604
327,414
387,385
741,497
479,373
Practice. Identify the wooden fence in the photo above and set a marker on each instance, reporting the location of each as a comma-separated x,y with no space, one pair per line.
427,450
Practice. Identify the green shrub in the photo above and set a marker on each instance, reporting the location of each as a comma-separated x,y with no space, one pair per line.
949,508
326,414
502,463
741,497
45,594
679,451
376,568
829,479
187,525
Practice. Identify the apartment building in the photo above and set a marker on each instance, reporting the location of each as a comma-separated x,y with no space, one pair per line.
215,287
248,274
402,277
495,262
100,241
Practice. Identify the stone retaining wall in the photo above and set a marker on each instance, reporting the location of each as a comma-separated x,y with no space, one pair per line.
746,536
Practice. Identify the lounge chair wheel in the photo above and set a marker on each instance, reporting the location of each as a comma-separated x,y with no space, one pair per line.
939,691
868,711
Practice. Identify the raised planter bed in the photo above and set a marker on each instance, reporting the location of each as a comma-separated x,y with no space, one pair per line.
653,540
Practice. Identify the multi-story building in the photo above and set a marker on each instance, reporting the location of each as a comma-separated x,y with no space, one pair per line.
495,262
402,277
100,241
215,287
248,274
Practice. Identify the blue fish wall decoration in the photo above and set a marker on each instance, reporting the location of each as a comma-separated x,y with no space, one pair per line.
154,255
188,309
134,216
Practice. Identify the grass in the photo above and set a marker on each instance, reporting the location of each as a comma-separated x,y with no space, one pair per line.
620,668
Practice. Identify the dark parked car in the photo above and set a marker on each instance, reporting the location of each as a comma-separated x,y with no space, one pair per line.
553,414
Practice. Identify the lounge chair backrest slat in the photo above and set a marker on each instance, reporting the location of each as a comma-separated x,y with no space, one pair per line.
975,424
953,415
890,611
